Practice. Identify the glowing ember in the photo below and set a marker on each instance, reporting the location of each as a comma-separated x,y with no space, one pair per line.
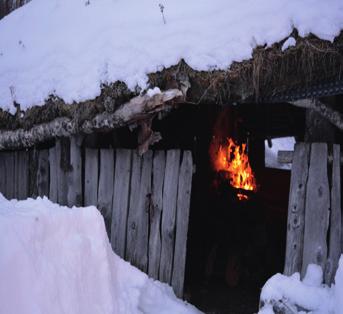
234,160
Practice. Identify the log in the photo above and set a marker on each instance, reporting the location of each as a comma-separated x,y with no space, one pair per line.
296,209
316,209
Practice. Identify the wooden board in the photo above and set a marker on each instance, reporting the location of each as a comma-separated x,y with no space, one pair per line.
43,177
91,177
63,163
169,214
335,248
33,166
2,173
159,165
105,191
182,217
296,209
53,188
74,194
316,208
22,175
120,202
138,217
9,175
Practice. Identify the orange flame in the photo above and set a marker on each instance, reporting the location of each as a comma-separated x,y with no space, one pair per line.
234,160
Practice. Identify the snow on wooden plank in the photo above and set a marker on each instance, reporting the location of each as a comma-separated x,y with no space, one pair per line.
53,188
182,216
296,209
91,177
316,208
43,177
335,248
120,200
169,214
105,190
74,195
22,174
138,218
159,164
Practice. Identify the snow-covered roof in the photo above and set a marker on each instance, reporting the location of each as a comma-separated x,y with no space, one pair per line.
68,48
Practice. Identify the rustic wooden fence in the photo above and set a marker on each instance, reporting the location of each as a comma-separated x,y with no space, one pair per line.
144,200
314,227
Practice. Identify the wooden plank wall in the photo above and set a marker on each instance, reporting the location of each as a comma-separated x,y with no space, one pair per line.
314,213
144,200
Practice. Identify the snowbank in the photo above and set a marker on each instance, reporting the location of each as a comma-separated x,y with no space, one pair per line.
69,47
54,259
309,294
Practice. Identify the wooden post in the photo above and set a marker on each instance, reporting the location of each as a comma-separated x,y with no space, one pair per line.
168,214
120,204
316,209
159,165
335,219
182,215
296,209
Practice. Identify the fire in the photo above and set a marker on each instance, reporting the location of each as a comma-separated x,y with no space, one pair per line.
234,160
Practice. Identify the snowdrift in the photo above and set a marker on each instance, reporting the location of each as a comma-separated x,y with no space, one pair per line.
55,260
68,48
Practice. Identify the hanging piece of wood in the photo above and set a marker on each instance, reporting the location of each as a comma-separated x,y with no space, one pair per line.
91,177
159,165
296,209
137,109
335,236
106,180
316,209
120,202
182,216
43,177
169,214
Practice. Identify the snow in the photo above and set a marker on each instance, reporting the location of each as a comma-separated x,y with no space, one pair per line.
68,48
280,143
310,293
290,42
58,260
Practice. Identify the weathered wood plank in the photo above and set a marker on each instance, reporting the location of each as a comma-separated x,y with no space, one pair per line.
159,165
91,177
335,219
33,167
138,218
105,191
2,173
22,174
53,164
74,195
182,217
169,214
316,208
63,167
43,177
120,200
296,209
9,175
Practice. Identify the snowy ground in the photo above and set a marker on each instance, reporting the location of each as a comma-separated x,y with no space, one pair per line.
309,294
69,47
56,260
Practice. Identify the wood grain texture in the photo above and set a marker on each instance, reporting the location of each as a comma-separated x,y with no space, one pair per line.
138,218
43,176
105,190
2,173
159,165
62,160
74,194
91,177
296,209
120,202
22,175
53,165
316,208
335,249
169,214
182,217
9,175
